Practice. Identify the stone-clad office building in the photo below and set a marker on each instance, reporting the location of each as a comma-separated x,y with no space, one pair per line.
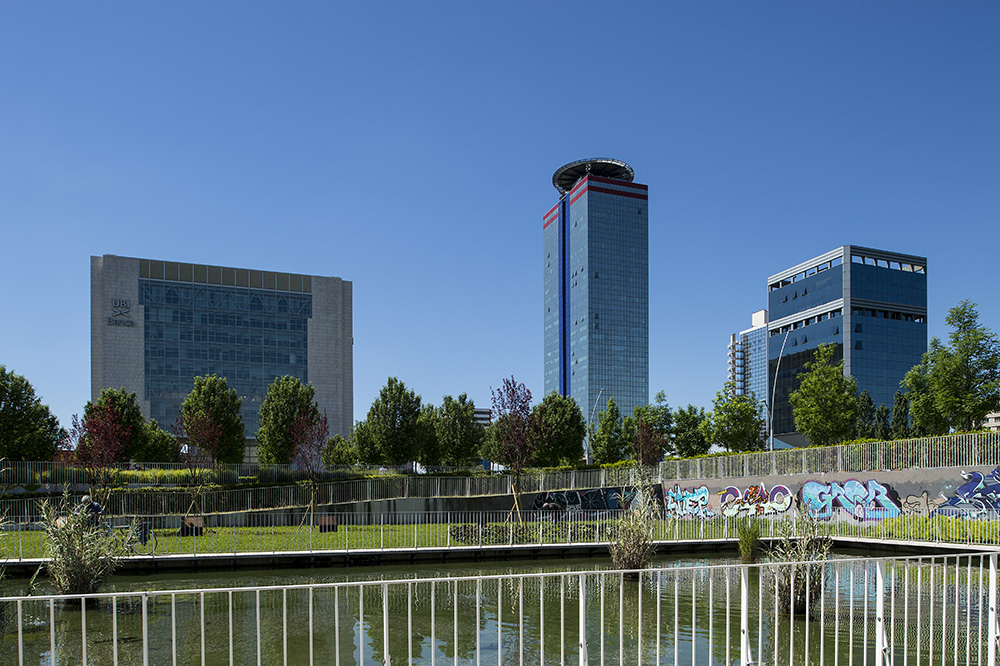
156,325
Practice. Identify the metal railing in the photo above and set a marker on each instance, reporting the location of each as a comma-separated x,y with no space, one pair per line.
967,450
178,501
923,610
347,532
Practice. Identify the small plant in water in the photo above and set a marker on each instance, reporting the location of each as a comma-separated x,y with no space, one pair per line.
633,547
81,555
749,533
802,552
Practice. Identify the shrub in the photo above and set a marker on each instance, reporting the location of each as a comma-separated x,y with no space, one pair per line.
801,553
81,556
749,532
632,545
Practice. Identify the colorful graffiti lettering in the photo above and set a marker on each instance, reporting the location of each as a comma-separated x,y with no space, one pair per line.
862,501
687,503
976,497
756,501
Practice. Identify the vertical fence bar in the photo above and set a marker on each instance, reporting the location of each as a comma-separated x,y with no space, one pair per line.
386,659
992,650
881,639
584,657
83,629
746,654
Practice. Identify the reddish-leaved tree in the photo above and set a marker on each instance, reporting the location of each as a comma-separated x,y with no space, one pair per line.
100,439
204,439
649,446
309,435
517,431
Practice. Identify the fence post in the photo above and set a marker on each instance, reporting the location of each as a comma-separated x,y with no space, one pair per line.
746,654
584,658
882,652
993,610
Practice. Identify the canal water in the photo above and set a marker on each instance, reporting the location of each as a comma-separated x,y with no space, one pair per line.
687,611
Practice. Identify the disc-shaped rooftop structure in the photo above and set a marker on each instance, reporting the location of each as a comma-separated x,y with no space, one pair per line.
566,176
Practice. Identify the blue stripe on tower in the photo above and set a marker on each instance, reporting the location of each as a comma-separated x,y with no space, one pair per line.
564,296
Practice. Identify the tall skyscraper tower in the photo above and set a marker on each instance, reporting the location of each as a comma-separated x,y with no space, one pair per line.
596,275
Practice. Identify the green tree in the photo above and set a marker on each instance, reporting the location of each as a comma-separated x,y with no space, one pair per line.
882,431
286,402
393,432
459,437
608,443
160,446
656,416
961,380
736,422
864,418
28,430
128,415
825,404
563,423
428,449
926,419
338,451
214,401
900,423
688,437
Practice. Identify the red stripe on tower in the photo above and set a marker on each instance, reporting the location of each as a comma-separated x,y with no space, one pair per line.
619,183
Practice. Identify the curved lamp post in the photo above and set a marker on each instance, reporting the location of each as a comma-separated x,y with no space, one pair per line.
774,390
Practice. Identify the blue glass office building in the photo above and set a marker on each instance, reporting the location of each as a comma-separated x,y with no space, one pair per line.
156,325
596,281
871,303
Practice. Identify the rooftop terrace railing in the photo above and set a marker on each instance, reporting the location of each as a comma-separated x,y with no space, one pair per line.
966,450
925,610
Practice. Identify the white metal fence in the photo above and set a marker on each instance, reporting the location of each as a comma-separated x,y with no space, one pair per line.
968,450
919,611
336,532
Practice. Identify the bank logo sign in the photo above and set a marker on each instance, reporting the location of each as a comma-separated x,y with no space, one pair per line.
121,313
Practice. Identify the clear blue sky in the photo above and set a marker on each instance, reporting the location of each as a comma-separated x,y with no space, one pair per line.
409,148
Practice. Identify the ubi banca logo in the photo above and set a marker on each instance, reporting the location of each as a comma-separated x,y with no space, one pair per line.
121,313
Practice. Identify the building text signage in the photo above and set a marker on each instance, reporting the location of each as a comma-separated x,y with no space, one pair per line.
121,313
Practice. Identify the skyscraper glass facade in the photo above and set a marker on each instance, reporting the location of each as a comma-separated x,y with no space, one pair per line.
871,304
596,289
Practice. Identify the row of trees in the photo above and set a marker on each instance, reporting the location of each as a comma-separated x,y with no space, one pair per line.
112,428
953,388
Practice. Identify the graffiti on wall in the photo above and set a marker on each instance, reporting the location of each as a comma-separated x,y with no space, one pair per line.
755,501
978,496
921,505
862,501
689,503
573,501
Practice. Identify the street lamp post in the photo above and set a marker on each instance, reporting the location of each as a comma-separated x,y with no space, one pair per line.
774,389
590,426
